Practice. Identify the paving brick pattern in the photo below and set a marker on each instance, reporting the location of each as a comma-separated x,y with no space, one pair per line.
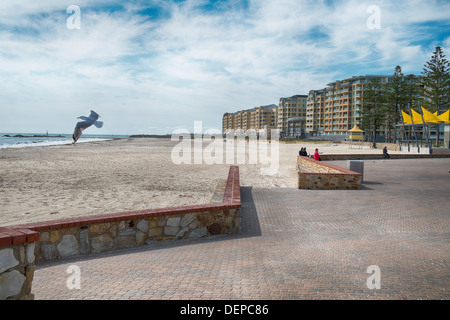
294,244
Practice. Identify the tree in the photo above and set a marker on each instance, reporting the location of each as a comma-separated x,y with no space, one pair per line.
411,90
436,84
395,99
373,112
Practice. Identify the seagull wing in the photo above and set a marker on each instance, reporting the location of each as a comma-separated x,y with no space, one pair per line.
79,129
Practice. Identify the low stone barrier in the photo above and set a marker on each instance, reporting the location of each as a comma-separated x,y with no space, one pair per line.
318,175
21,246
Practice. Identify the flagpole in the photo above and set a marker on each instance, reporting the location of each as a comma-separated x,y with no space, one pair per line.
426,129
414,128
403,125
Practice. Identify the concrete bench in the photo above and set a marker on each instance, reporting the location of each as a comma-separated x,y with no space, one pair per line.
319,175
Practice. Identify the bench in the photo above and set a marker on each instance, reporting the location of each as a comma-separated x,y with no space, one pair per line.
317,175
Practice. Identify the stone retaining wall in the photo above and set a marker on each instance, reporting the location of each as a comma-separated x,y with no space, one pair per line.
21,246
318,175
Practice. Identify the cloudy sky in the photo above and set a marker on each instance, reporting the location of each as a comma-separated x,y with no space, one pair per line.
159,65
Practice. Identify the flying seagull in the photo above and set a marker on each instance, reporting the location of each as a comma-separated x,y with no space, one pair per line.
86,123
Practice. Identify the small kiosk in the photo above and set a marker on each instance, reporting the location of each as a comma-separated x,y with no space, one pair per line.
356,134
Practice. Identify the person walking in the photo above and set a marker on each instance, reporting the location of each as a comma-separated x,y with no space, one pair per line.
385,153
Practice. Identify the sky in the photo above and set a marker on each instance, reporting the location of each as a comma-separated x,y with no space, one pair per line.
155,66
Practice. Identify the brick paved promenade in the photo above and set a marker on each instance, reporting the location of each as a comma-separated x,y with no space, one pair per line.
294,244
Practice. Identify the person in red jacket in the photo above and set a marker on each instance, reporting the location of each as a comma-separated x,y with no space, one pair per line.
317,156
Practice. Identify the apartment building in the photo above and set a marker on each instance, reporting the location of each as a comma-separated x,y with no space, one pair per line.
343,104
263,117
315,112
291,116
228,121
259,118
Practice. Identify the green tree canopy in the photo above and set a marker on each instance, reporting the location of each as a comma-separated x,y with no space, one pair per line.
374,101
436,84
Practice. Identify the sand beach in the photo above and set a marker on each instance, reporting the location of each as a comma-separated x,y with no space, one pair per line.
64,181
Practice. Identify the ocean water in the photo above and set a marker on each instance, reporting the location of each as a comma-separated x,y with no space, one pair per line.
23,140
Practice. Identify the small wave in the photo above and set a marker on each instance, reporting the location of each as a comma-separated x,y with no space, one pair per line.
25,144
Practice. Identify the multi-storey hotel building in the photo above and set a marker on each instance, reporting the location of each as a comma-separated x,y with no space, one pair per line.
315,112
259,118
291,116
288,117
343,104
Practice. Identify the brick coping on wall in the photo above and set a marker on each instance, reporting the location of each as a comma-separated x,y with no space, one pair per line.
27,233
340,171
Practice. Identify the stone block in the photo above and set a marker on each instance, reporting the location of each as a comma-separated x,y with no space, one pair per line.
143,226
193,225
44,236
140,238
182,233
171,231
29,275
68,246
173,222
157,222
11,284
99,228
22,254
55,236
155,231
30,257
188,219
127,232
124,242
85,246
198,233
102,243
7,259
49,251
114,230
